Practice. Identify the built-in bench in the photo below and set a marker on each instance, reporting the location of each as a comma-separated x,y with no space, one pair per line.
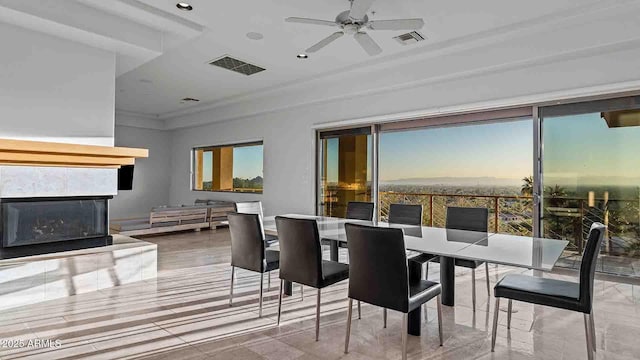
164,220
218,211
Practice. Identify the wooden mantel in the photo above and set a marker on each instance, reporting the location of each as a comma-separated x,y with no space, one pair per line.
39,153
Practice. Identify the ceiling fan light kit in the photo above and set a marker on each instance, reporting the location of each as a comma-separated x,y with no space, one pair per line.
355,22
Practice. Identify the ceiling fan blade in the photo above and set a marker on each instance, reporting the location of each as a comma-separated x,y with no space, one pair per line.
399,24
368,44
359,9
324,42
310,21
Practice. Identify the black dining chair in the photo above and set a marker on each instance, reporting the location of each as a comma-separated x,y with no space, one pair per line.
255,207
469,219
356,210
301,260
379,275
359,210
248,250
560,294
405,214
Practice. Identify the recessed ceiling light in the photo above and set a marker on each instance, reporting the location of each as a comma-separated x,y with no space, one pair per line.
184,6
303,56
255,36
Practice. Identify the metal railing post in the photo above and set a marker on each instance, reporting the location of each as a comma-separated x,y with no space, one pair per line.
431,210
495,215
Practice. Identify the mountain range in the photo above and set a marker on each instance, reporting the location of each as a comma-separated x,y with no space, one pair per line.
456,181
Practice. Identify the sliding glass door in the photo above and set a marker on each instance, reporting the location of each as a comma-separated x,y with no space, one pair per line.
471,164
591,173
551,175
345,169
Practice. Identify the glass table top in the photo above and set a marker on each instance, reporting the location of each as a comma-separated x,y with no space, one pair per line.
519,251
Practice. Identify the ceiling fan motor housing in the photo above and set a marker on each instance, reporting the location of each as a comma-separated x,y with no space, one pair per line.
344,19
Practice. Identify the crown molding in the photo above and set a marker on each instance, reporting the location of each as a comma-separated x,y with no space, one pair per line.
139,120
626,88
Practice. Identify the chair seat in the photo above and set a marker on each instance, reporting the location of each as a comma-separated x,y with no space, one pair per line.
422,291
470,264
333,272
272,257
341,244
421,258
270,240
541,291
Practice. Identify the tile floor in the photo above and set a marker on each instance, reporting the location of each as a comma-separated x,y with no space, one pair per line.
184,314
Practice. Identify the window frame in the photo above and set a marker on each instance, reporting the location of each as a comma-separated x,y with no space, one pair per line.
218,146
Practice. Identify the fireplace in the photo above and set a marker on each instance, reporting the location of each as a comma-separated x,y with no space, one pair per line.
34,226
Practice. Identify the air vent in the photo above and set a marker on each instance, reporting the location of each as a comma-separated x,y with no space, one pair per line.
236,65
409,38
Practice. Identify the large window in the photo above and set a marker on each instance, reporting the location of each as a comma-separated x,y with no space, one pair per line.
236,168
472,164
591,173
552,175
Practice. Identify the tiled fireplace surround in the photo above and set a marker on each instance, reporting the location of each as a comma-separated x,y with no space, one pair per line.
39,278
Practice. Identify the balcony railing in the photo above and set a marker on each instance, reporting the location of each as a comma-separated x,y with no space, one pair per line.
567,218
507,214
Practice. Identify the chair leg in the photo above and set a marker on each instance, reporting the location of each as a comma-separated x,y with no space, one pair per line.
384,318
405,330
349,315
486,267
301,292
233,273
426,275
261,293
359,311
318,316
593,332
280,300
269,281
509,311
473,288
587,330
494,331
440,319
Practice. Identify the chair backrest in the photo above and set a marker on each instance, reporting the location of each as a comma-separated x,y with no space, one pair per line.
251,207
357,210
405,214
588,265
470,219
247,245
300,251
378,272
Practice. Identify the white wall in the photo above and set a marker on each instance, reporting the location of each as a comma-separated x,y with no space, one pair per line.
288,145
288,161
55,89
151,177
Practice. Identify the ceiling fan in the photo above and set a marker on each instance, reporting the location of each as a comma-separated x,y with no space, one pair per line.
353,22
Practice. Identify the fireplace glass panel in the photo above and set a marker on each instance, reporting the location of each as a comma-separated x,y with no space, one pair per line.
35,222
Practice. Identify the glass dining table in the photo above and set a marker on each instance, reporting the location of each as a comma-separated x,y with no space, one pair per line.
505,249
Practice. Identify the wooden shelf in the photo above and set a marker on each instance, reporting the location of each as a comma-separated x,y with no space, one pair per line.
39,153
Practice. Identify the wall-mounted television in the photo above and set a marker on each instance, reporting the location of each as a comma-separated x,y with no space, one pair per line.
125,177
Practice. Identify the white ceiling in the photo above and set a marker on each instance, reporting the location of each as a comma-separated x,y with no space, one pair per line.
156,87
